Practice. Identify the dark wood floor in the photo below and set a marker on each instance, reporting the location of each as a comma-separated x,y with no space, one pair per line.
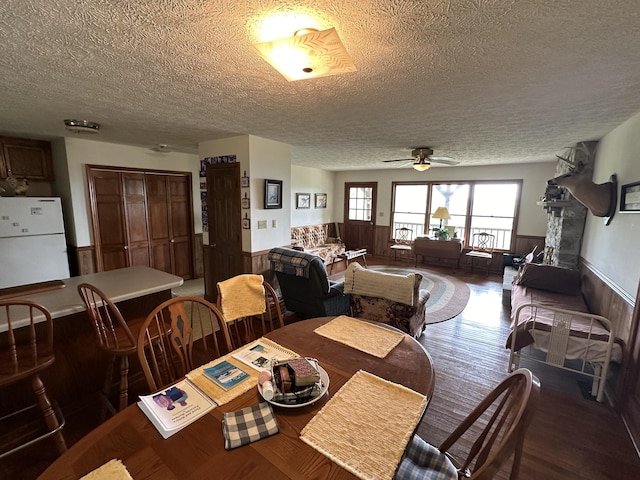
570,437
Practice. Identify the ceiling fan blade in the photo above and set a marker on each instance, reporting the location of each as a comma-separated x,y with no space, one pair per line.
444,160
400,160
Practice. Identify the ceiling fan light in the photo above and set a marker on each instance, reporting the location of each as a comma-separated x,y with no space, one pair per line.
421,166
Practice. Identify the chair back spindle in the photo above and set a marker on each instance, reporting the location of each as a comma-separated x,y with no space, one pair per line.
166,340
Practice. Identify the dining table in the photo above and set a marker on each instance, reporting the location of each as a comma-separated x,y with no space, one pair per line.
197,451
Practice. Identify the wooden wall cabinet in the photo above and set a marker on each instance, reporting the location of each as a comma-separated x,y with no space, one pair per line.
23,157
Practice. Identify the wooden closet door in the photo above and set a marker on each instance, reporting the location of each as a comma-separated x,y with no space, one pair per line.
159,230
142,218
181,225
135,207
105,189
118,204
170,223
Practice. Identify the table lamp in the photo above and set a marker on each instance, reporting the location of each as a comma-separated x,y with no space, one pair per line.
442,213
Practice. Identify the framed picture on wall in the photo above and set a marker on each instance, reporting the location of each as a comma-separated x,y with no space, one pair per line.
321,200
273,194
630,197
303,200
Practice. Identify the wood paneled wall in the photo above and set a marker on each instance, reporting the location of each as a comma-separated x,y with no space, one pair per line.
604,300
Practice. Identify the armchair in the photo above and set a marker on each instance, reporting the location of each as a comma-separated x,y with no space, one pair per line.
304,284
387,298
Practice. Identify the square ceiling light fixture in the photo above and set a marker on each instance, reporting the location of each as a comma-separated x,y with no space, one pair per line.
310,53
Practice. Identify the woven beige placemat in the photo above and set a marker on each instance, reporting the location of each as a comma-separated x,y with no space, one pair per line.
219,394
366,426
364,336
112,470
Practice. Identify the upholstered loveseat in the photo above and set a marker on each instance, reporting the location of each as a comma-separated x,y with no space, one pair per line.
314,239
387,298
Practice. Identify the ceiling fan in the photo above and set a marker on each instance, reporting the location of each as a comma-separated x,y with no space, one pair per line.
422,159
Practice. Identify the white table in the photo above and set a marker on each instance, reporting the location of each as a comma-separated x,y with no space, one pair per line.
77,373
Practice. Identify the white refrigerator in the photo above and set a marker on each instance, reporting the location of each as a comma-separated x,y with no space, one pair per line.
33,247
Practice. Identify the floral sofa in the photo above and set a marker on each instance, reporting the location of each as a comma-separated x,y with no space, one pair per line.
314,239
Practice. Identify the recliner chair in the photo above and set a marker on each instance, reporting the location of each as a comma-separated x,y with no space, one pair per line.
304,284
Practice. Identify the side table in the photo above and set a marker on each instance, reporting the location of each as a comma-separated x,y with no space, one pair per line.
350,255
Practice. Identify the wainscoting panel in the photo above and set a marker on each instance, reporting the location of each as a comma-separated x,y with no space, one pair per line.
604,300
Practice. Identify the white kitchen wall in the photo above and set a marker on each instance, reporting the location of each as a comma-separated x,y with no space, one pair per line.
612,251
80,152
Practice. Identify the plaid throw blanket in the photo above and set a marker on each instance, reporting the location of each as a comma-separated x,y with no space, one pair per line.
291,262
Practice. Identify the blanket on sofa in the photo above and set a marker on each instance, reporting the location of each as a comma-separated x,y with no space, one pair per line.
291,262
361,281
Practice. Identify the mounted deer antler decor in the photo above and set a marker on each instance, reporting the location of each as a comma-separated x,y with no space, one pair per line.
600,199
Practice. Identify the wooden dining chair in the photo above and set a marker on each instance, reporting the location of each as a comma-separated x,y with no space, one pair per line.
495,429
244,298
165,343
26,350
115,337
482,245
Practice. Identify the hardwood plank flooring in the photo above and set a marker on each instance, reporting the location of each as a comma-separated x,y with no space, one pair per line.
569,438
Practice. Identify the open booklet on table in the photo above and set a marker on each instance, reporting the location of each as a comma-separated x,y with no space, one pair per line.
260,353
175,407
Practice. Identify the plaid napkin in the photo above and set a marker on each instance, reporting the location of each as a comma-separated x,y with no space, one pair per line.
248,425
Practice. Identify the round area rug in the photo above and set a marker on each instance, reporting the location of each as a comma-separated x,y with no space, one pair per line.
449,296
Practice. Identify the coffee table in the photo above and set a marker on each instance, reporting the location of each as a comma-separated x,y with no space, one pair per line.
350,255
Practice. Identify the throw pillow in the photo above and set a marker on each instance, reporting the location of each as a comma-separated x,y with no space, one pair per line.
549,277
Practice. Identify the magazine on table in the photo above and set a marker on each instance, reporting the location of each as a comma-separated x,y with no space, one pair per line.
175,407
259,354
226,374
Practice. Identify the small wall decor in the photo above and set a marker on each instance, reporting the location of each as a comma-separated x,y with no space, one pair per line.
273,194
204,163
630,198
215,161
244,180
246,222
246,203
321,200
303,200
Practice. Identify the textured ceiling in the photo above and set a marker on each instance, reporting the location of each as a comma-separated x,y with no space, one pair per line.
484,82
